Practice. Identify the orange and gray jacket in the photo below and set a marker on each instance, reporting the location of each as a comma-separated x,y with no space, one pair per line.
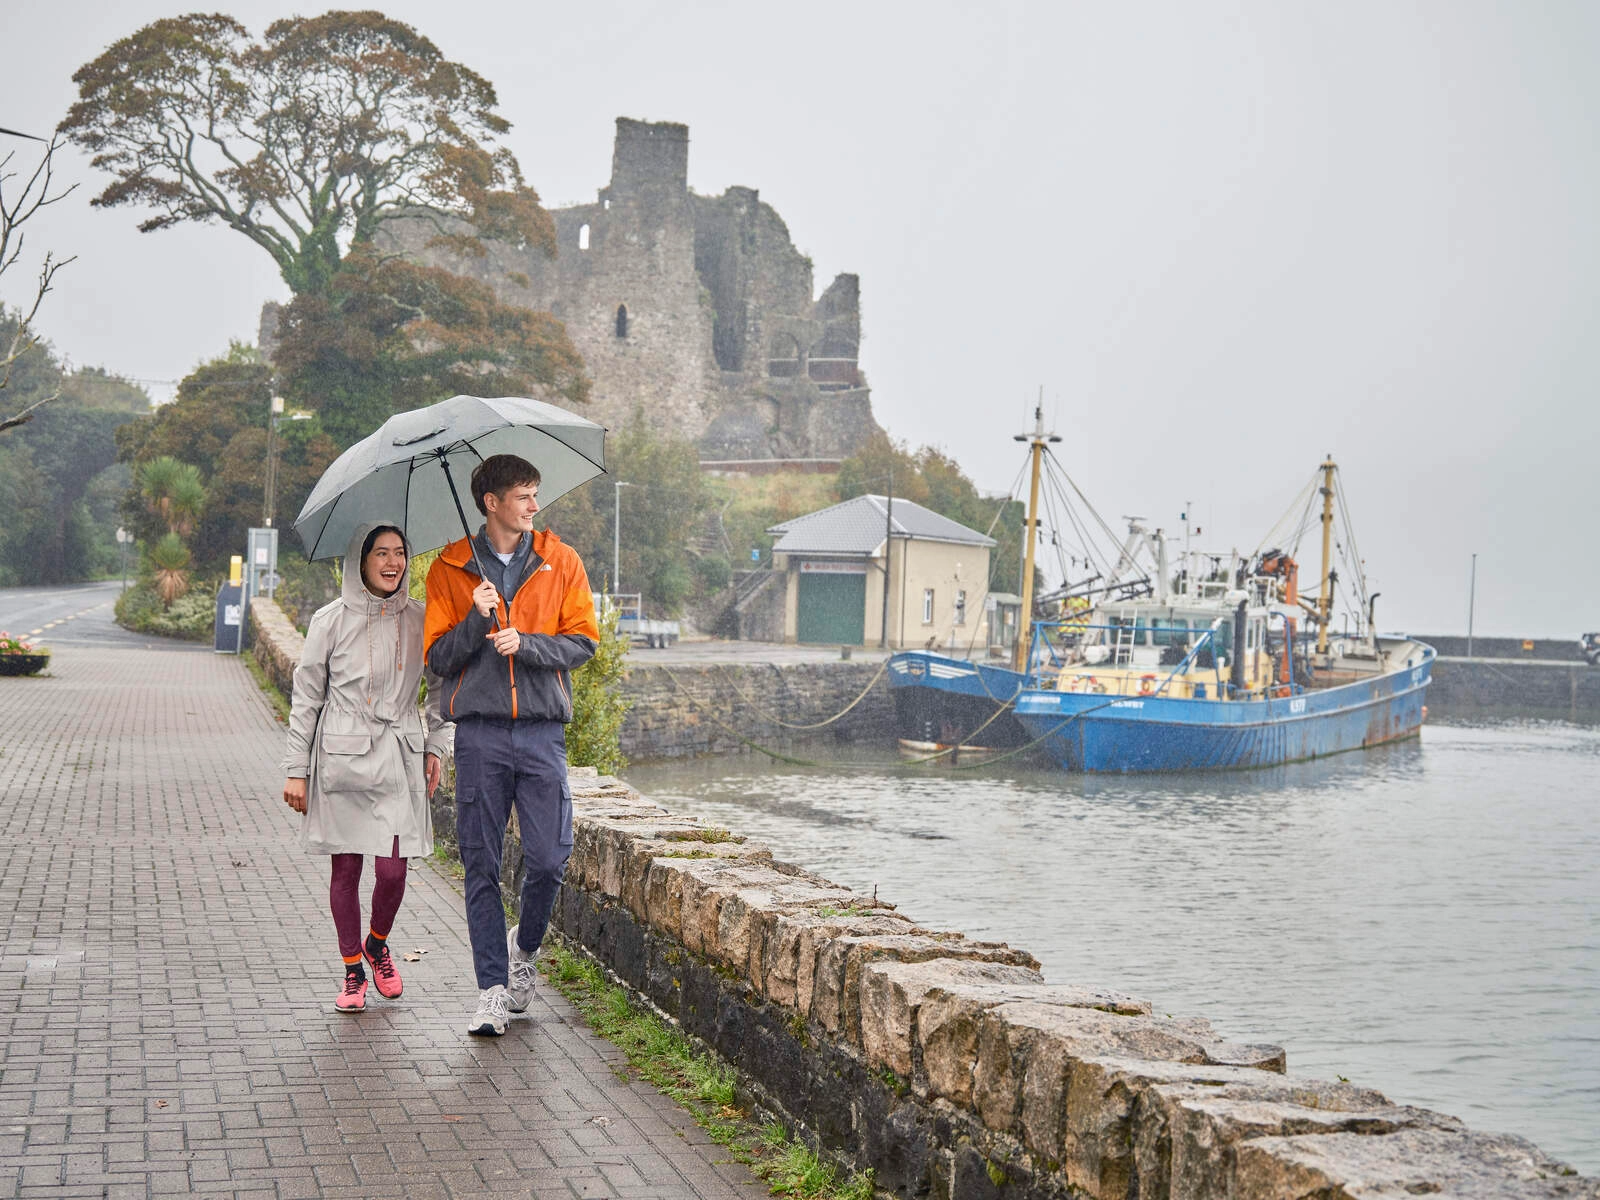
551,607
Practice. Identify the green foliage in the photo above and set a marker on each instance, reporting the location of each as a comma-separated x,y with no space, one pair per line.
169,560
594,739
305,142
55,526
192,617
172,491
663,508
386,335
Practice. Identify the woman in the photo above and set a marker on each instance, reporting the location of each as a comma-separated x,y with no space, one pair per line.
360,765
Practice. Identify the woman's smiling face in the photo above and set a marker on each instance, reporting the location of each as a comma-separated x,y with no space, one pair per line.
384,563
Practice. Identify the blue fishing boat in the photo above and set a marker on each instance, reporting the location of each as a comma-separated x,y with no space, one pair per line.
961,709
1212,670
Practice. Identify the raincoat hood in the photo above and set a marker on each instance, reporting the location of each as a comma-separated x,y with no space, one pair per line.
355,593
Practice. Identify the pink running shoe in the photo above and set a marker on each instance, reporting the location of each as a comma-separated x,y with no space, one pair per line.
384,973
353,998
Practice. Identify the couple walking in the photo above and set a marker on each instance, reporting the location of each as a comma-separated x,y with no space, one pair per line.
508,617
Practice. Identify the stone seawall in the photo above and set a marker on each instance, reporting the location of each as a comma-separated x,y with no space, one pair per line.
678,712
1474,687
952,1069
947,1066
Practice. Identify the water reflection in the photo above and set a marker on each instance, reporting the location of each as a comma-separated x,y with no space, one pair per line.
1421,917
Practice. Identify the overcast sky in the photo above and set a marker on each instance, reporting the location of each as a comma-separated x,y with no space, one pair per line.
1226,239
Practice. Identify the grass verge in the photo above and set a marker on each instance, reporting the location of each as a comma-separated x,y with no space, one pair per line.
268,689
662,1056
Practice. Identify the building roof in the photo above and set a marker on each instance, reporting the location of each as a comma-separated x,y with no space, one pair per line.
856,527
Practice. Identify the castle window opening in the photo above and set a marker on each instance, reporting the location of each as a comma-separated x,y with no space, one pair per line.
583,236
622,320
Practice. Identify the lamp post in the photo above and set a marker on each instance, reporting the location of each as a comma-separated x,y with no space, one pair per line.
275,417
123,538
1472,601
616,537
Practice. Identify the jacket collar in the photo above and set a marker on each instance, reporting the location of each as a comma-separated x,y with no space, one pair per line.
459,553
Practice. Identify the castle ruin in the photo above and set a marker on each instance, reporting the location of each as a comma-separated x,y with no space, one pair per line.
695,312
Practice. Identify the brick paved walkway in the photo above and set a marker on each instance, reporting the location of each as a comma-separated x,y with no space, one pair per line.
169,965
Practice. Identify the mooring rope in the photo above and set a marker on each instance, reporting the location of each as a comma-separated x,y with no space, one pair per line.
901,764
760,712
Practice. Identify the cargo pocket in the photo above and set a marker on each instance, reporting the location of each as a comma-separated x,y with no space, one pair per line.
344,765
416,741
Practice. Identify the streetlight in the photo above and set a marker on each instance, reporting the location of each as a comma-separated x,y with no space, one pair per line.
274,410
123,538
275,416
616,537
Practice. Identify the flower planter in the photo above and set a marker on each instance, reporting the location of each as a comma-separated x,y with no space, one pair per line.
23,664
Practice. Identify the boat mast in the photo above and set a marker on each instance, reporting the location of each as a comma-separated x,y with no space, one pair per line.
1325,595
1037,441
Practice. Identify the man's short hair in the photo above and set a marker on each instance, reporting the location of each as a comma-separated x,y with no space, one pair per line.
499,472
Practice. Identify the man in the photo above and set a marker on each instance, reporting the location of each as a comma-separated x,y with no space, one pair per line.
509,616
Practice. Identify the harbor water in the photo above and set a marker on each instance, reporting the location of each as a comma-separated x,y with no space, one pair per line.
1423,918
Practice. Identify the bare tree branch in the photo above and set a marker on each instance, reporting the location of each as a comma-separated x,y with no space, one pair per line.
38,192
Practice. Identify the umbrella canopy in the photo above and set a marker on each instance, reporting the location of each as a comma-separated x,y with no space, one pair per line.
405,472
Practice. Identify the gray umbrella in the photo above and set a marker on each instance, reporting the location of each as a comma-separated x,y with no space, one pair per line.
413,470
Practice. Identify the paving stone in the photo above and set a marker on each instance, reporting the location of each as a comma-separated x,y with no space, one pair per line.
168,968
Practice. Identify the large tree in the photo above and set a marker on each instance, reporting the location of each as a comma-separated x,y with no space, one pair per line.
389,334
306,141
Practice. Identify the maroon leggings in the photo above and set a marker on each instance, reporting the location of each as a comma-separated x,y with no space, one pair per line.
345,899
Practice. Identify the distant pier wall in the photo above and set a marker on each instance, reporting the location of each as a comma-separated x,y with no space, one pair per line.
680,712
1466,687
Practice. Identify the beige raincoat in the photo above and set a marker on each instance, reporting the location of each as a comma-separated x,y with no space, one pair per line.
356,732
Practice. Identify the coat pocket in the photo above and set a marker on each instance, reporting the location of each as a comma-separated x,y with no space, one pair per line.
345,767
416,741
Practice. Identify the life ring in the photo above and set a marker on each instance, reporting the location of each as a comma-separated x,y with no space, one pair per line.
1147,684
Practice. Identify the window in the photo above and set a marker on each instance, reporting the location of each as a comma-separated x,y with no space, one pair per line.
927,606
583,237
961,606
622,320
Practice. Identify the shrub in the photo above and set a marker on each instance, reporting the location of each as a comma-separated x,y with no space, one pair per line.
192,616
594,739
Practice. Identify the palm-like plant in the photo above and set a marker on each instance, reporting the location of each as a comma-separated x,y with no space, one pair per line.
170,558
173,491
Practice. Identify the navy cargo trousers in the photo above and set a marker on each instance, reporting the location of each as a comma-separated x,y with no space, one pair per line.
501,764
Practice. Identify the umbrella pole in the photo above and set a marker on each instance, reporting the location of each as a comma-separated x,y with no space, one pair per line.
471,544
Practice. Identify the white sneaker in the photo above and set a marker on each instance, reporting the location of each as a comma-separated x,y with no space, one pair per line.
523,973
490,1019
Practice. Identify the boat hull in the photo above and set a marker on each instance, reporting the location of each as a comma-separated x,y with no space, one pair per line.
1088,732
942,702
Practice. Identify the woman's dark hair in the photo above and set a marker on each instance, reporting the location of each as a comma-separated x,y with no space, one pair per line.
366,546
499,472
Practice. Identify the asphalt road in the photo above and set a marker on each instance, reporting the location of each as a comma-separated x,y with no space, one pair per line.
76,614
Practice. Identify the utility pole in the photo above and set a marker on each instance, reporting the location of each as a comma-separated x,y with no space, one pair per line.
616,536
1472,601
888,540
1036,444
274,411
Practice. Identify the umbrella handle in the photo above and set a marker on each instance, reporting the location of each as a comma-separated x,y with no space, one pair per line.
471,544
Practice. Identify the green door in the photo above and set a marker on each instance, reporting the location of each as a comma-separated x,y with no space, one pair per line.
833,608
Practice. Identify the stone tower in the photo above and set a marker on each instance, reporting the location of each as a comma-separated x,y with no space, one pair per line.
694,312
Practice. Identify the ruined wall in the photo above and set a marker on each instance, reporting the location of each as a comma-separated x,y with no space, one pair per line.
695,312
